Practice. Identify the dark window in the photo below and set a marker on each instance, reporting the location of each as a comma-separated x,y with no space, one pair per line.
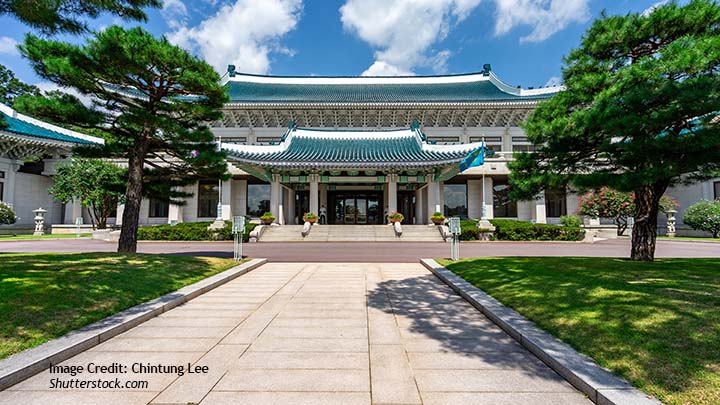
158,208
488,139
455,196
717,190
258,199
503,206
2,191
523,148
555,202
207,199
443,139
35,167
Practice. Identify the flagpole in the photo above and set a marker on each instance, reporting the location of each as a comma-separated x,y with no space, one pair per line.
484,210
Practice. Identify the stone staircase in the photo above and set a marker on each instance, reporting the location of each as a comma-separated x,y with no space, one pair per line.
351,233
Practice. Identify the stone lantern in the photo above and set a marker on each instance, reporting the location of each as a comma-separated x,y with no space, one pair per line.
671,220
39,221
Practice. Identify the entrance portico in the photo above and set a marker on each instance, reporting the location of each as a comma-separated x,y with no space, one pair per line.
364,172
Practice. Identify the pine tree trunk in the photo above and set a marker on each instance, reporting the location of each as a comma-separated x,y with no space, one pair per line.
133,197
644,232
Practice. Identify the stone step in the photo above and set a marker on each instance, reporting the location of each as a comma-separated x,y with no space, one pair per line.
352,233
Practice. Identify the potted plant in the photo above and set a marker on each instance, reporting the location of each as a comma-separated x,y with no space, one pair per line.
310,217
267,218
437,218
395,217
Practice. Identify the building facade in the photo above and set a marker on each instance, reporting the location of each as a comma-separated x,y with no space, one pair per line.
351,148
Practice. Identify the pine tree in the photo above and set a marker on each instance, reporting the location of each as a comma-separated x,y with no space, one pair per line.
640,112
153,100
52,17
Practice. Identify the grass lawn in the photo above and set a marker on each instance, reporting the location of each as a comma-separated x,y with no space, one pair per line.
696,238
31,236
655,324
46,295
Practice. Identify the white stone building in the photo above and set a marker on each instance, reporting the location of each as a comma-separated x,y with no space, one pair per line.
355,147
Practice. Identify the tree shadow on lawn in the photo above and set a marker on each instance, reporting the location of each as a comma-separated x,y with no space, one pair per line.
656,324
47,295
429,312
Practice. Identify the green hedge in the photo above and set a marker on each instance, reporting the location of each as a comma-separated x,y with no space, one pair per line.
190,231
469,229
507,229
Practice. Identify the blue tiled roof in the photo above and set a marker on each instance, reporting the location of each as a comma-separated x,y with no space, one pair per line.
373,150
249,92
20,127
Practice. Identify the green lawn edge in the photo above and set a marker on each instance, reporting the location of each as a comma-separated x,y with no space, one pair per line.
47,295
655,324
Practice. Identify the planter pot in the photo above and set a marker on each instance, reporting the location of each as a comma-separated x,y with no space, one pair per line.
311,221
393,220
438,221
267,221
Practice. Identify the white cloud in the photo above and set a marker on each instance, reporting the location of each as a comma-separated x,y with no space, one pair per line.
50,86
245,34
403,31
554,81
652,8
174,13
380,68
545,17
8,46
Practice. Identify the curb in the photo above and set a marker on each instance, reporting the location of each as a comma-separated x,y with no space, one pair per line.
25,364
599,384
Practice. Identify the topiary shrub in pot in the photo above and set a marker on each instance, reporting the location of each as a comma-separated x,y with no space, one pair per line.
437,218
395,217
310,217
267,218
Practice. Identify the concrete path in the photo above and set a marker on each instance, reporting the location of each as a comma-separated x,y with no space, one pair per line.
317,334
403,252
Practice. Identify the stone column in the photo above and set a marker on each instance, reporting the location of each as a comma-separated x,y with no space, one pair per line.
175,212
240,197
488,190
572,202
418,208
73,210
119,214
538,209
281,208
433,199
314,193
275,195
291,207
392,192
9,188
226,194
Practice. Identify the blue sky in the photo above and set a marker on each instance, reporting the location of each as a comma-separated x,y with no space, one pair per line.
524,40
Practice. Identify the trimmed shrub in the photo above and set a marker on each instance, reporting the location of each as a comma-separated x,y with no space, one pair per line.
570,221
7,215
507,229
704,216
190,231
469,229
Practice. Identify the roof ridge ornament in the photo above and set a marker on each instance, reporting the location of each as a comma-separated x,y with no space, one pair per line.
231,70
486,69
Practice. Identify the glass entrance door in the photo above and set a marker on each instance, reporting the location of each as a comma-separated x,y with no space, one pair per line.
355,208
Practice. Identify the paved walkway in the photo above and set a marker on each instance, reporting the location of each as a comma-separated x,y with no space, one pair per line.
318,334
403,252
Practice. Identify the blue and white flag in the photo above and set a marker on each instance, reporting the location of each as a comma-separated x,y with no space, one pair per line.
475,158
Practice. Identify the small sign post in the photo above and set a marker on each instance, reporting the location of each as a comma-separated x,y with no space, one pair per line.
454,227
238,230
78,222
